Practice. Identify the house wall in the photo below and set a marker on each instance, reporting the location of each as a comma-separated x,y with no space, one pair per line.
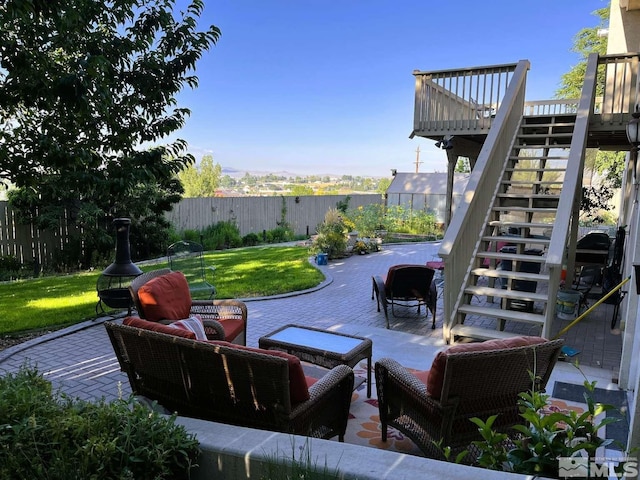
624,36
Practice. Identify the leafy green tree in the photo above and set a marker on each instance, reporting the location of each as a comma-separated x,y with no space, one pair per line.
463,165
201,180
608,165
298,190
87,90
383,185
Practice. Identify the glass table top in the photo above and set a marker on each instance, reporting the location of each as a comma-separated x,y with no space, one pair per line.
314,339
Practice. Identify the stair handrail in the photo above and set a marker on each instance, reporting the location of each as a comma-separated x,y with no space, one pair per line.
571,195
462,236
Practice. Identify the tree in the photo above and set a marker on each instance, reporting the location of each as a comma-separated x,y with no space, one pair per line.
383,185
87,90
300,190
202,180
463,165
608,165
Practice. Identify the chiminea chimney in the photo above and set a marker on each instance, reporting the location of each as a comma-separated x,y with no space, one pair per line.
123,266
113,284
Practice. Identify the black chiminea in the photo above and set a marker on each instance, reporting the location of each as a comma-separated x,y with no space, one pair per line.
113,283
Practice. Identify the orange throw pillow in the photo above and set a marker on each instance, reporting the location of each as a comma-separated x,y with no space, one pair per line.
436,373
165,297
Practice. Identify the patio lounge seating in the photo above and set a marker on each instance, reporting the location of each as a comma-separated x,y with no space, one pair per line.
234,384
465,381
163,296
406,285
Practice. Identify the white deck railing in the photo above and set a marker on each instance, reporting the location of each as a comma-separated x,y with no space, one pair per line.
461,100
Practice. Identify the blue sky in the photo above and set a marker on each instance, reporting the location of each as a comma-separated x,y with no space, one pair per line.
326,86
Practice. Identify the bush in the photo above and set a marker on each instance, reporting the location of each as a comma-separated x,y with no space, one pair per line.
10,267
250,240
279,235
400,219
43,435
332,235
367,219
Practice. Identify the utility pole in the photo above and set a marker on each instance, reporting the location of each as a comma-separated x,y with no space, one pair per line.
418,162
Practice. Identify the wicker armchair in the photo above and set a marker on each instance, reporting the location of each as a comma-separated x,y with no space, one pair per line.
229,383
231,314
465,381
406,285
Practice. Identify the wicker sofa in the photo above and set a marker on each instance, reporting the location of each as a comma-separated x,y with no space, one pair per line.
465,381
227,383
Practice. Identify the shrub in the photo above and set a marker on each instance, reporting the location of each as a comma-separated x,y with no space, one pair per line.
10,267
332,235
367,219
250,240
43,435
279,235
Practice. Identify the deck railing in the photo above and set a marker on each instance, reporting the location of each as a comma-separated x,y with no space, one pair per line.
462,101
617,89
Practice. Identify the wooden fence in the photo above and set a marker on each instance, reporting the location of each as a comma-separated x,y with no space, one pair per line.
256,214
251,214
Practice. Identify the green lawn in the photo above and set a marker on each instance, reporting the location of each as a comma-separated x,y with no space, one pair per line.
51,302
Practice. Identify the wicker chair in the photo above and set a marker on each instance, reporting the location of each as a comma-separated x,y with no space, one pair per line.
229,313
406,285
475,382
229,383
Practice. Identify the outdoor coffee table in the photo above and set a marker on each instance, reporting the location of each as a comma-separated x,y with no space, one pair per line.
321,347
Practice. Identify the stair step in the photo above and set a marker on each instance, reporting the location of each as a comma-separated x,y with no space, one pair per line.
494,312
539,157
520,240
529,136
514,257
535,170
498,223
497,273
524,209
532,182
505,293
480,333
527,196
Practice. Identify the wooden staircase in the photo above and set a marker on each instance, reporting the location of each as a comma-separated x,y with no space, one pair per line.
505,292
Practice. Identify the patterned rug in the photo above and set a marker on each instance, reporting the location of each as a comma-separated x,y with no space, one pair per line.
364,429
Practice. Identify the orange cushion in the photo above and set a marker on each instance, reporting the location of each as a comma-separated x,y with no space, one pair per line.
232,327
158,327
165,297
436,373
298,386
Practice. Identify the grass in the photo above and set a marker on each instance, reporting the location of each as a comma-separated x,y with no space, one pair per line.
59,301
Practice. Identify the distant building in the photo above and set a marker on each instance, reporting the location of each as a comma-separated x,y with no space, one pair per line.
425,191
